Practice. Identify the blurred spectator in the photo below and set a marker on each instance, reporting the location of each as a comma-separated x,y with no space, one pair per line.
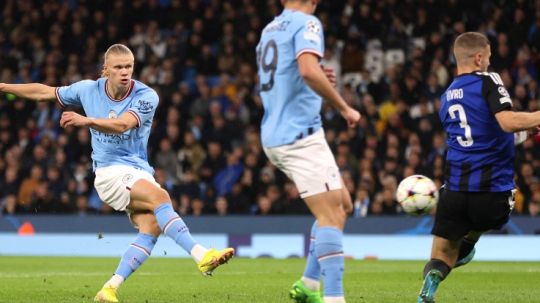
237,201
264,206
166,160
391,64
8,205
197,207
225,179
29,186
222,206
213,162
42,201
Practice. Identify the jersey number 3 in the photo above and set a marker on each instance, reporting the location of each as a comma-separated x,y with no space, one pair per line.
271,65
457,108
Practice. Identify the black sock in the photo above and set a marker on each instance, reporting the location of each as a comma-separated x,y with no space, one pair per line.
438,265
466,248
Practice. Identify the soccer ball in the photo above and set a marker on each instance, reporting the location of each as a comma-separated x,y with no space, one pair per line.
417,194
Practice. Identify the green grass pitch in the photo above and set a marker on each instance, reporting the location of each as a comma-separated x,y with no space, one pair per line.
59,279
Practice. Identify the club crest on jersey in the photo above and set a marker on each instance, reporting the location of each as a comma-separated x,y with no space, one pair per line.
112,114
144,107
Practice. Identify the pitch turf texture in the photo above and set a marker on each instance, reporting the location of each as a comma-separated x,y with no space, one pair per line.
59,279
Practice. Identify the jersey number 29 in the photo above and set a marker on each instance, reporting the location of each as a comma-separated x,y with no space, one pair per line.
457,108
271,66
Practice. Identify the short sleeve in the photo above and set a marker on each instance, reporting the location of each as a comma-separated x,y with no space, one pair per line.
309,38
144,107
495,94
71,95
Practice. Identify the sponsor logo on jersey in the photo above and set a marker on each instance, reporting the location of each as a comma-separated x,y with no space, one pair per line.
144,107
503,91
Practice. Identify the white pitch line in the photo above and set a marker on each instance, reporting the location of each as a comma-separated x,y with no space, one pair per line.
95,274
62,274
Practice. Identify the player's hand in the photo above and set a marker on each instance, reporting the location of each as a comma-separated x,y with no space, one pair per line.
330,75
2,85
73,119
352,116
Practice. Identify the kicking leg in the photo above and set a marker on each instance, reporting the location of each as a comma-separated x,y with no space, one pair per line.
467,250
134,256
149,197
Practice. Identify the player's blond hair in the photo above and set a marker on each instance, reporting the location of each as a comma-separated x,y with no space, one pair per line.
468,44
115,49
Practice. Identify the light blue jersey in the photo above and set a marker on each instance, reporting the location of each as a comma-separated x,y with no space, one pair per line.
291,107
128,148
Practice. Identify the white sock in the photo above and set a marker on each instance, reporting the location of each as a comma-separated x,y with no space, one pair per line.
197,252
334,300
115,281
311,284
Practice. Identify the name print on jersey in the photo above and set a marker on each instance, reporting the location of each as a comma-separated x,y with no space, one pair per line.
454,94
279,26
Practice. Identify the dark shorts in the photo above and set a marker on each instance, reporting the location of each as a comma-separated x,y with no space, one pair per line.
459,212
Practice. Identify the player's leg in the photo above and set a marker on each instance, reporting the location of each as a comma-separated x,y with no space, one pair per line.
443,255
133,257
147,196
327,207
489,210
309,162
124,187
451,224
307,289
467,250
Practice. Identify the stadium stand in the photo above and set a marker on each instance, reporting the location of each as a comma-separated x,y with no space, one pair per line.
393,62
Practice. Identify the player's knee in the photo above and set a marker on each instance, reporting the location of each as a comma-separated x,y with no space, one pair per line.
149,225
152,228
158,196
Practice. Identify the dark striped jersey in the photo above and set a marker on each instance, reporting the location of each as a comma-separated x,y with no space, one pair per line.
480,154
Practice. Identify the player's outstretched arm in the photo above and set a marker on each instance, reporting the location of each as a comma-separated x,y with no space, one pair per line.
511,121
316,78
34,91
110,126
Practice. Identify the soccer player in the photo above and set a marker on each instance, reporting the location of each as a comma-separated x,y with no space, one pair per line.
476,112
119,113
292,85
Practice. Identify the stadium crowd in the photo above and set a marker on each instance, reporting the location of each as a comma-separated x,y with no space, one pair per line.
392,58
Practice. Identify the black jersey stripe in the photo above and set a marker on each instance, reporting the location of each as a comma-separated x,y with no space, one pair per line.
485,178
464,176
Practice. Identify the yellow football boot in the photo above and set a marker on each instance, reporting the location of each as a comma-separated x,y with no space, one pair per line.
106,294
214,258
